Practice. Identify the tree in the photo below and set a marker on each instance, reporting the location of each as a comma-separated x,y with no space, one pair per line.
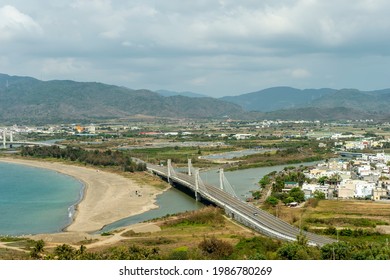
297,194
322,180
334,179
319,195
336,251
256,195
264,181
271,200
288,200
216,248
298,250
37,250
64,252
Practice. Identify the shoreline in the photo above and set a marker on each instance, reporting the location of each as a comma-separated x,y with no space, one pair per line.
105,197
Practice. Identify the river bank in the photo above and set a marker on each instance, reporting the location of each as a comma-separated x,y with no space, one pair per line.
107,197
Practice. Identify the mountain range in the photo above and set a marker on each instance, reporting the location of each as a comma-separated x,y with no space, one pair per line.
26,100
168,93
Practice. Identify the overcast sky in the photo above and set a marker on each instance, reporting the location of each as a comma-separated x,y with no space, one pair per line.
218,48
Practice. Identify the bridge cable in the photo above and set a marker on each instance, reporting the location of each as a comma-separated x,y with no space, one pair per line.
227,187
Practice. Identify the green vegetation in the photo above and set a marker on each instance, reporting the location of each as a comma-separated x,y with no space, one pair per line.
214,248
201,239
207,216
95,157
290,176
290,152
357,222
10,238
69,101
178,155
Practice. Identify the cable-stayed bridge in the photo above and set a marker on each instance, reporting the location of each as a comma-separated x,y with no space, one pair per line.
12,142
243,212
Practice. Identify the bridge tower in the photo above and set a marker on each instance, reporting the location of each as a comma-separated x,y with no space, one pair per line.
196,184
169,166
11,137
221,178
189,167
225,185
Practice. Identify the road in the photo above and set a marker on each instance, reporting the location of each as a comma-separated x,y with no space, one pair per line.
242,211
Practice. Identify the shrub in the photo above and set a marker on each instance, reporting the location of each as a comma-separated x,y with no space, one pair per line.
215,248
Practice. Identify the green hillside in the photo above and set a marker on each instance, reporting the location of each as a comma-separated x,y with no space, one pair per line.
28,100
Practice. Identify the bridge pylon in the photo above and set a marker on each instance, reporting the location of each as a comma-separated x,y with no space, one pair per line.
189,167
169,166
224,183
197,185
221,178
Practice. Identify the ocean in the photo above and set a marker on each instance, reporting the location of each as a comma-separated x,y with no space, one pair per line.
35,200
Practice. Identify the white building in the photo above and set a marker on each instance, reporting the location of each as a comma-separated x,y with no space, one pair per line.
242,136
364,189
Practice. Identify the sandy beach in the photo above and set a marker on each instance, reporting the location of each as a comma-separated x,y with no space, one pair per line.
108,197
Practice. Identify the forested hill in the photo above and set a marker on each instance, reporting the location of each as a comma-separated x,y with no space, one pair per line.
28,100
25,100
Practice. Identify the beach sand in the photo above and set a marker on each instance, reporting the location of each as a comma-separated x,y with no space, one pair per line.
108,197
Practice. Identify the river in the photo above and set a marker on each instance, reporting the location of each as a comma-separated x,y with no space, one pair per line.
174,201
246,180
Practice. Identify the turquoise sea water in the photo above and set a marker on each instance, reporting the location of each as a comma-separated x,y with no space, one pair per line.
35,200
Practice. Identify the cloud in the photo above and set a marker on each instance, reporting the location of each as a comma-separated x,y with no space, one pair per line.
300,73
16,25
216,46
64,66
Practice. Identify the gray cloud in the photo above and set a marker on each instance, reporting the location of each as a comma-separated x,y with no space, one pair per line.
215,47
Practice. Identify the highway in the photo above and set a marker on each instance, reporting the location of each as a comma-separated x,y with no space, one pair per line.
241,211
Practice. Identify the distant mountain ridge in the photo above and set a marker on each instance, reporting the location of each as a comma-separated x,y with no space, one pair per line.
277,98
26,100
321,104
168,93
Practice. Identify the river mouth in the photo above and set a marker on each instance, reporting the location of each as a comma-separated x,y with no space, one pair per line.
170,202
174,201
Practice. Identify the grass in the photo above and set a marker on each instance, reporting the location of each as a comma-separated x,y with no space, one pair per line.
356,222
354,215
177,233
179,155
7,254
207,216
10,238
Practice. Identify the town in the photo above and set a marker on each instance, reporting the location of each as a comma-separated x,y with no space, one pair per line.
354,166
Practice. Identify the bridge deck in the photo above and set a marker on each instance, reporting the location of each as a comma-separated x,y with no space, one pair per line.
243,212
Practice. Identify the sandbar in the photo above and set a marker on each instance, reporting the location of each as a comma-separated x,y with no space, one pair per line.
108,197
